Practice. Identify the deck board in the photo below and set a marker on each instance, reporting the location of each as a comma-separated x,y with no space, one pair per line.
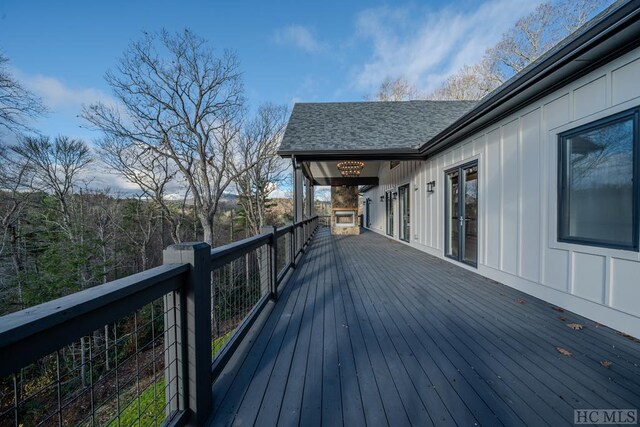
369,331
530,344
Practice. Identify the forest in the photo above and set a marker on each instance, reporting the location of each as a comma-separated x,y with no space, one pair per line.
198,166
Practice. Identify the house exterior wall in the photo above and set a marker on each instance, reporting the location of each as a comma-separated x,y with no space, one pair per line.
517,228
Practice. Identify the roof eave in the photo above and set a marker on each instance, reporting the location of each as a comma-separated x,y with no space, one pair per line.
321,155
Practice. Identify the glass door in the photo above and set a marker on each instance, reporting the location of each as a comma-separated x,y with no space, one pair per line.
367,212
453,214
461,215
389,205
405,218
470,216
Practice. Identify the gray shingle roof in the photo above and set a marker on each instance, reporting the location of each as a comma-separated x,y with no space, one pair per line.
339,126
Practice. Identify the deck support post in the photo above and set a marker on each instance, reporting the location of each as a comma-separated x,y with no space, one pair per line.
274,265
310,195
298,206
292,247
188,335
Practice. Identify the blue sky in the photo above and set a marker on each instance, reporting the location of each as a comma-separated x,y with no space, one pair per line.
289,50
330,50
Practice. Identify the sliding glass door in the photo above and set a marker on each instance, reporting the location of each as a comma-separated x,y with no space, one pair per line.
405,212
461,225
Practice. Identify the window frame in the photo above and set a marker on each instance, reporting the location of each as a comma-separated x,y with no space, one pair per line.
563,185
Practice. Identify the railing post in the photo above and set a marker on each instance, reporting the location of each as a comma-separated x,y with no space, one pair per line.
304,235
191,341
292,244
300,239
274,264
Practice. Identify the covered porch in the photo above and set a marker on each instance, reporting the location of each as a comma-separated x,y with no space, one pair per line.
369,331
321,137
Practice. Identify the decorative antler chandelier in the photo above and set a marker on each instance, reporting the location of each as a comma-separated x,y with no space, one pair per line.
350,168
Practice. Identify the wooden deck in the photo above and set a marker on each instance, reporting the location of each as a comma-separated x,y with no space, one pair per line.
369,331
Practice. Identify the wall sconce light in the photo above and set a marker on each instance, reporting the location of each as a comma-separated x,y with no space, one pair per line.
382,198
395,195
430,186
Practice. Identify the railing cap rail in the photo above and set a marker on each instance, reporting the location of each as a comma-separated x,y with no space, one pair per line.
33,320
223,254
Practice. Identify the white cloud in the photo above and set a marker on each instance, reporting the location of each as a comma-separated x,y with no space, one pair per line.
98,177
323,193
300,37
426,47
57,96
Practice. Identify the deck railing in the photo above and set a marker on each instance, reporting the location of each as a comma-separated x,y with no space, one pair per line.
143,349
324,220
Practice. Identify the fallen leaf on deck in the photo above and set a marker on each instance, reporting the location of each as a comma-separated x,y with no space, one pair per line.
575,326
563,351
558,309
606,363
562,318
519,301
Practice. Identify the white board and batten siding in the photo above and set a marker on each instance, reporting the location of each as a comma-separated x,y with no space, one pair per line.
517,243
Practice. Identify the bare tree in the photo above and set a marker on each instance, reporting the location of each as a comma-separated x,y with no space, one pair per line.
17,104
530,38
398,89
15,180
469,83
536,33
151,172
575,13
259,169
181,103
55,167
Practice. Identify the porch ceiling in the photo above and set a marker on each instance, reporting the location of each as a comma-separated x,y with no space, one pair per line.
327,173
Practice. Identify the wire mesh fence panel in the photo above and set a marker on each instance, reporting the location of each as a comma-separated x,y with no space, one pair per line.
114,376
283,253
132,371
324,221
236,288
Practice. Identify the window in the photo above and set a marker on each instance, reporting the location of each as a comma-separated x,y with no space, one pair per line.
598,183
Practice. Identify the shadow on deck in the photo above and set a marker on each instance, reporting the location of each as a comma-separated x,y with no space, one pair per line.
369,331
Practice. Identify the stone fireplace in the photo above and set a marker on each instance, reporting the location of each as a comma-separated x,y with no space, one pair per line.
344,218
344,210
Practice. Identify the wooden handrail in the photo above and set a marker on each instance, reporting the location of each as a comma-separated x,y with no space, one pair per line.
32,333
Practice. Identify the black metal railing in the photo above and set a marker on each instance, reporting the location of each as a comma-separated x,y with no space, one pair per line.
96,357
246,275
139,350
324,220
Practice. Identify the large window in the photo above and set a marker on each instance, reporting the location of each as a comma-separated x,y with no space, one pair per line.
598,183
